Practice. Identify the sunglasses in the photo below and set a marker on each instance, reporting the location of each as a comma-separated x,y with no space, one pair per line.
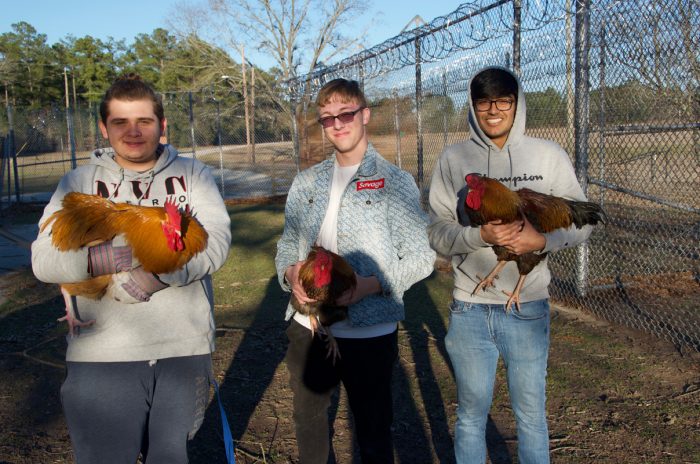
345,118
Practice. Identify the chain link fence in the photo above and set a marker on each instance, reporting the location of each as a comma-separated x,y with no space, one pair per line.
247,162
616,83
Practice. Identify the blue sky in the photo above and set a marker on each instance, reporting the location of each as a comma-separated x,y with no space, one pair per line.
124,19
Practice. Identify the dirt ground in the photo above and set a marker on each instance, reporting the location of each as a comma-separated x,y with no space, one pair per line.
614,395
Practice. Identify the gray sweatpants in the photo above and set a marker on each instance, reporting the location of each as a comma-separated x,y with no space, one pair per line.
116,410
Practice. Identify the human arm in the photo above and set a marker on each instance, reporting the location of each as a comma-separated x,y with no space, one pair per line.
518,237
409,239
365,286
288,253
447,236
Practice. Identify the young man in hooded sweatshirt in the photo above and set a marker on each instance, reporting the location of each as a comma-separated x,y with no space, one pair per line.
481,329
137,379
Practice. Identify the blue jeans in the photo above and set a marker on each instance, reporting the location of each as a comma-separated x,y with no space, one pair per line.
478,334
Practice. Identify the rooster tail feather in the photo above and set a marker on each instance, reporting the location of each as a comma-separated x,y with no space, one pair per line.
586,213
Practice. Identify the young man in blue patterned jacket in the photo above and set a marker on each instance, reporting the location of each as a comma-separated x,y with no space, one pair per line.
367,210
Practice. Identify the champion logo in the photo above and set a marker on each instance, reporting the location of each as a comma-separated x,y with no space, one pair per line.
371,184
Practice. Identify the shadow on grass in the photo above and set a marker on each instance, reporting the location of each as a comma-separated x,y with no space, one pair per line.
248,376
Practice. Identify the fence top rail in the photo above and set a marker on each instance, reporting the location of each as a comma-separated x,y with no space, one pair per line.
624,129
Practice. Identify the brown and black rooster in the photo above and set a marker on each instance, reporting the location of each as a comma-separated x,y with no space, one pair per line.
489,200
325,276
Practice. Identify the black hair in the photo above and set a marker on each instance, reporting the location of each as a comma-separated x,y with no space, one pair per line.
493,83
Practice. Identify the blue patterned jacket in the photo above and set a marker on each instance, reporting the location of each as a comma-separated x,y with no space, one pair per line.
382,231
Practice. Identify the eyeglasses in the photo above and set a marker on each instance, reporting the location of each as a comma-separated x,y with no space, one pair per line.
502,104
345,118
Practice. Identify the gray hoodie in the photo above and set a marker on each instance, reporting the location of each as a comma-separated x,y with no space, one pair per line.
538,164
178,320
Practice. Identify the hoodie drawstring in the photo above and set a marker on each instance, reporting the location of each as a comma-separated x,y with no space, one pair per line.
510,176
119,184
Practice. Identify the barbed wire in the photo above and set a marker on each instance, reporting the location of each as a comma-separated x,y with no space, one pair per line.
468,27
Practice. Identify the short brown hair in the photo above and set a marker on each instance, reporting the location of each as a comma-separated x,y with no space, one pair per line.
342,90
131,87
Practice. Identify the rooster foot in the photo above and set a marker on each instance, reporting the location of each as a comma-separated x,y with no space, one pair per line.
74,322
316,326
512,298
483,284
332,347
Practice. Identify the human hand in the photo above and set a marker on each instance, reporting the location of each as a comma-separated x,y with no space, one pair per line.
498,233
365,286
292,276
527,240
135,286
110,257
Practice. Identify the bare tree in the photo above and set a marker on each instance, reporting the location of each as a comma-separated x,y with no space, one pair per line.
296,34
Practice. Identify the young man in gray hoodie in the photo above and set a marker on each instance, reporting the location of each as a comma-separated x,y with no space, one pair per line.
138,378
481,329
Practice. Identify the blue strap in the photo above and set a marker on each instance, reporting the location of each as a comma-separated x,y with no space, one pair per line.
228,438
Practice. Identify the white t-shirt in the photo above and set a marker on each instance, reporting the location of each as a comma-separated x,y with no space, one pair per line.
328,239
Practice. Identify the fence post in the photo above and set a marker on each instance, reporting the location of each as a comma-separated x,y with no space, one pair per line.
11,154
419,118
397,128
601,114
581,129
444,110
517,15
3,150
69,123
252,113
194,154
295,133
569,81
221,151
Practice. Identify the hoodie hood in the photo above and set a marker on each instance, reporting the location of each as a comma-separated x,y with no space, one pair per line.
516,132
105,157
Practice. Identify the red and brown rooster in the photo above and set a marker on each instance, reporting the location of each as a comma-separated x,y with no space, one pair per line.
162,239
489,200
325,276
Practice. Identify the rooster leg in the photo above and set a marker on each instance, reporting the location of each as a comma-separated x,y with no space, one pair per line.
488,281
332,344
70,317
515,296
316,326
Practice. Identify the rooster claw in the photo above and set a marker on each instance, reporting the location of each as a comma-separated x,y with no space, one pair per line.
332,346
483,284
75,324
512,298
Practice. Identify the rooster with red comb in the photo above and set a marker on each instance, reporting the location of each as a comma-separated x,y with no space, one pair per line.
325,277
162,239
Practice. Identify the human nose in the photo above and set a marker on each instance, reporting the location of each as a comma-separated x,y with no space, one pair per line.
492,107
337,123
133,129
